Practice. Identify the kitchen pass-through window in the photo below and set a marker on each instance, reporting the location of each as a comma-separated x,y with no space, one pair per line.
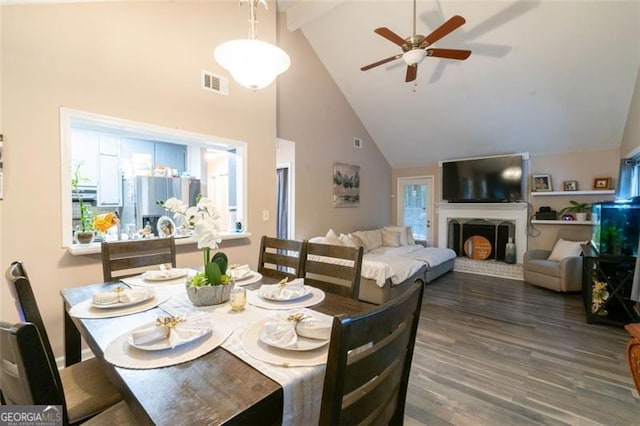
125,167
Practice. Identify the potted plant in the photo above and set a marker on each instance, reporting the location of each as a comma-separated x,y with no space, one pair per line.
213,285
84,230
580,209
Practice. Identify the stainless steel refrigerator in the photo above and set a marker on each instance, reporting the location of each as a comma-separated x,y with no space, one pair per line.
142,192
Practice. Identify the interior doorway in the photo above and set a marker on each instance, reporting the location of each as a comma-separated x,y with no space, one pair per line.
285,189
415,206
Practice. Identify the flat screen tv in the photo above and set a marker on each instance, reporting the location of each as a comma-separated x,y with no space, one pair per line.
483,180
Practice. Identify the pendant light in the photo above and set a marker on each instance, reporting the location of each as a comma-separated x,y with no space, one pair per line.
252,63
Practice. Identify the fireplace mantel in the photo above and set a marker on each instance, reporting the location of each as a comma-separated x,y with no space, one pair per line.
516,212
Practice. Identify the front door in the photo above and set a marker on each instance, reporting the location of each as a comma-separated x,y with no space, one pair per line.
415,206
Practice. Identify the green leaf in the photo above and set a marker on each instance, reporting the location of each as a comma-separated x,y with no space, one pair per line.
212,271
222,261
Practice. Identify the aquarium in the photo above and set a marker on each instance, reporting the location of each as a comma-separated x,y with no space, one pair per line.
616,226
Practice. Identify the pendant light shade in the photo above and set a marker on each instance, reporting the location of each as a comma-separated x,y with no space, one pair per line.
252,63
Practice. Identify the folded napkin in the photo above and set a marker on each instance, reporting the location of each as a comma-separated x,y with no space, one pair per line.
283,329
164,274
240,271
283,290
121,295
178,330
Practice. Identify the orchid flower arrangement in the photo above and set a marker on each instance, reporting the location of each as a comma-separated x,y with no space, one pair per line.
205,221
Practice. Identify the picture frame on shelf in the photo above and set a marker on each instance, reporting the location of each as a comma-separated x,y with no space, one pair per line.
542,183
601,183
570,185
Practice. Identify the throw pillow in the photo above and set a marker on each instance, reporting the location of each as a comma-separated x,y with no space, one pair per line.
410,239
357,242
564,248
403,233
390,238
346,241
332,238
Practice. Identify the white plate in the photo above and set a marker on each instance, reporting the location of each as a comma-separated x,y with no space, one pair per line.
164,343
115,305
303,343
307,291
169,274
253,278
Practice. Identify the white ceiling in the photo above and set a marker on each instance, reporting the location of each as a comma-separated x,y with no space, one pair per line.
544,77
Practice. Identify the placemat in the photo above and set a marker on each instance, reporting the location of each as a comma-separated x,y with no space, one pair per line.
139,281
85,309
314,298
121,354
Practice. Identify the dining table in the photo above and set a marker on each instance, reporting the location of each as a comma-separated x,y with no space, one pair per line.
218,387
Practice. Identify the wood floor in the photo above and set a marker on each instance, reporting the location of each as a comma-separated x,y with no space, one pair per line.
494,351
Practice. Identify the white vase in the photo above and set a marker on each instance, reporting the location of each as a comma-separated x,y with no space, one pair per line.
581,216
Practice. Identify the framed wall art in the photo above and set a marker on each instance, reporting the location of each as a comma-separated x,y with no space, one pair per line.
601,183
542,183
346,185
570,185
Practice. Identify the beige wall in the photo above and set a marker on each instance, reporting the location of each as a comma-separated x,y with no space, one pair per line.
313,113
580,166
631,137
135,60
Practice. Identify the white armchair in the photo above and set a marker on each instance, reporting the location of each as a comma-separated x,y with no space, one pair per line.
559,269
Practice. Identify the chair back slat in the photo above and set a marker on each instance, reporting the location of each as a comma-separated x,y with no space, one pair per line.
130,255
28,308
280,258
335,269
26,376
369,361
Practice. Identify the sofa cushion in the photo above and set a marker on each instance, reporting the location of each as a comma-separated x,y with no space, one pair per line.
565,248
404,240
371,239
546,267
346,241
390,238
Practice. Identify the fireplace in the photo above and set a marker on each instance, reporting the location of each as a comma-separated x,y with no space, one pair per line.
495,222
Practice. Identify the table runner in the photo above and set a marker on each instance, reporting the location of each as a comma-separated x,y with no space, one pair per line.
302,386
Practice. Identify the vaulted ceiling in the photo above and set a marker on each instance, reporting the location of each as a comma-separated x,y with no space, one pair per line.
544,76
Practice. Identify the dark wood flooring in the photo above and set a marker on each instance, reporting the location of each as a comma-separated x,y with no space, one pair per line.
493,351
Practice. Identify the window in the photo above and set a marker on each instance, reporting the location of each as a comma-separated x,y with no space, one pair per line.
127,166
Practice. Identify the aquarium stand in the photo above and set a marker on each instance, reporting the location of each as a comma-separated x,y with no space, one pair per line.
616,272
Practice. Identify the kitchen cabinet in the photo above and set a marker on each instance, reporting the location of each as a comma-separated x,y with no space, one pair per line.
171,155
110,186
85,151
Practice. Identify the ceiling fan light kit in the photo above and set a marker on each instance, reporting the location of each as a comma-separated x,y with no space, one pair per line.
254,64
416,47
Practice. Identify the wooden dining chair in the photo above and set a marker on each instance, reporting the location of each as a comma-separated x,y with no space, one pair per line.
134,254
87,388
369,360
335,269
281,258
27,378
633,352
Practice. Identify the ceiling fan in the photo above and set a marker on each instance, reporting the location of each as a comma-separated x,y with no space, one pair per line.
416,47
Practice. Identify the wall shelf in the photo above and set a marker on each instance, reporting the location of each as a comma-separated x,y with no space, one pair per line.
561,222
594,192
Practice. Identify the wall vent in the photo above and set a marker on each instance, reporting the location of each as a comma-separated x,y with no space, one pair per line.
215,83
357,143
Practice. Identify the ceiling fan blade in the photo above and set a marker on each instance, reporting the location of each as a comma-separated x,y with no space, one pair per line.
391,36
455,22
449,53
412,72
383,61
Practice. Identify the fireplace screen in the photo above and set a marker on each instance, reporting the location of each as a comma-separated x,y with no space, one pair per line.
480,239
